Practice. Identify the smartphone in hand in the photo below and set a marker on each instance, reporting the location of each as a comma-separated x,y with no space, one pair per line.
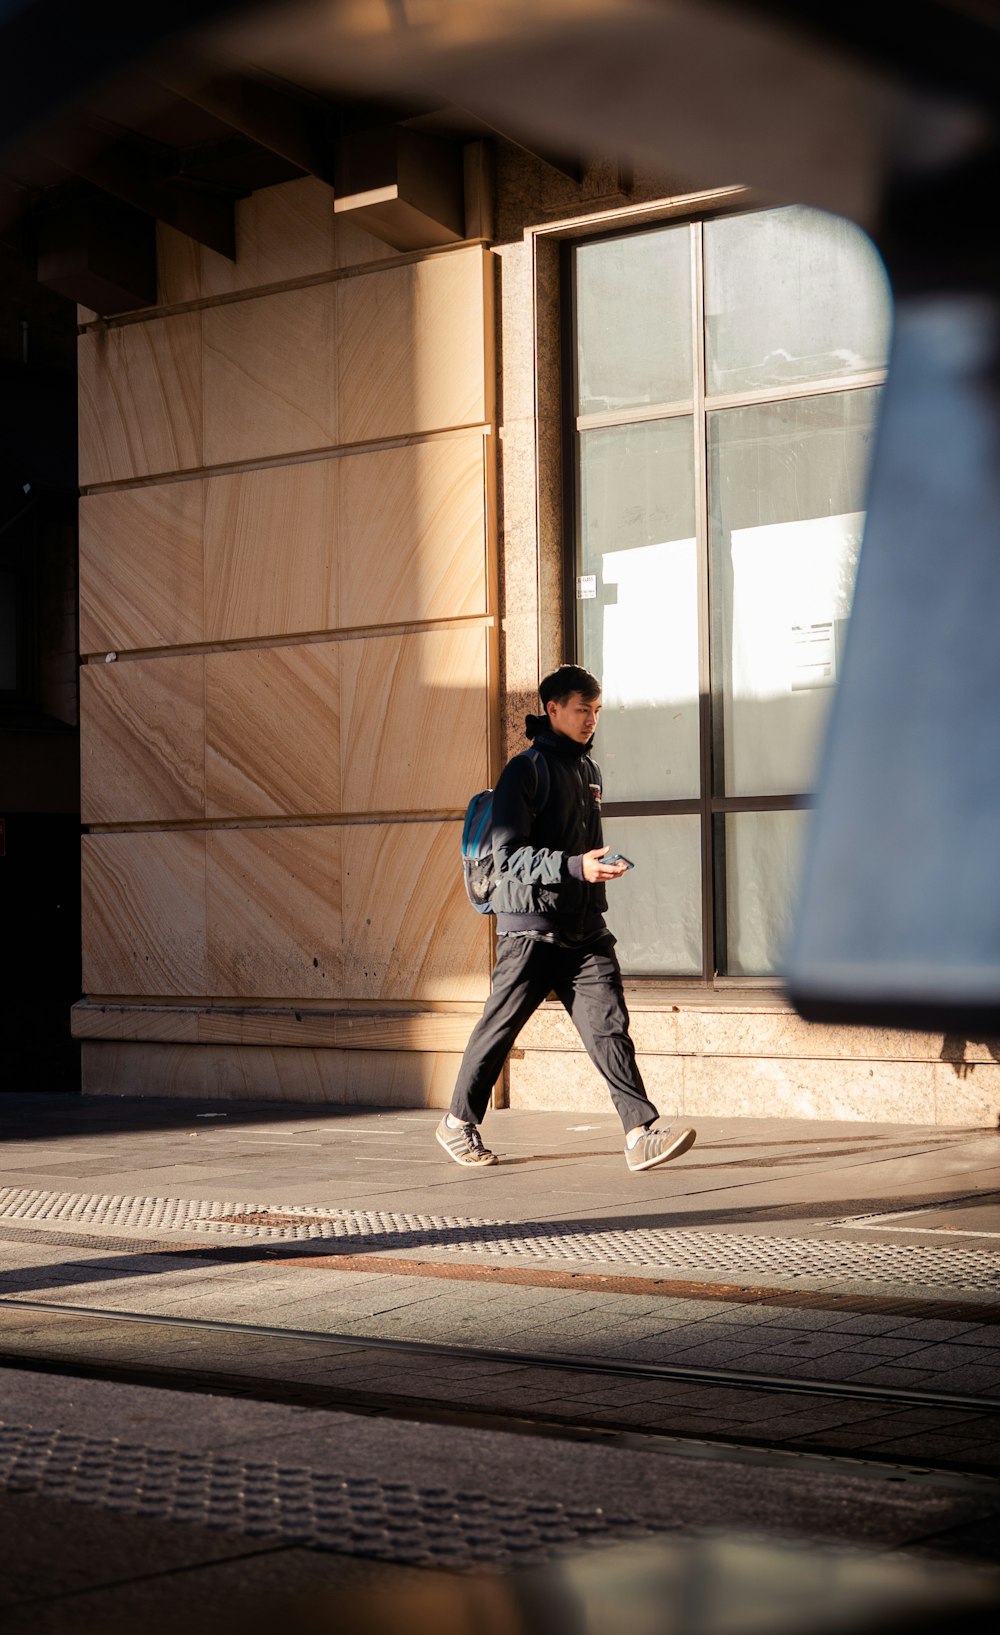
616,857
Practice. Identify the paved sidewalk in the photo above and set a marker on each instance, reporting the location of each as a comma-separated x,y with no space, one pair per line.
660,1333
861,1254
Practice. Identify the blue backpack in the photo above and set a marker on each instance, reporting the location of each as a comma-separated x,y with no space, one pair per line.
477,836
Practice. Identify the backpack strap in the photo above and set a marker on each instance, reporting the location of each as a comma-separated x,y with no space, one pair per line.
543,780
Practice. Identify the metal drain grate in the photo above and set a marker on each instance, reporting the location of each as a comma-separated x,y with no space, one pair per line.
709,1254
915,1216
389,1521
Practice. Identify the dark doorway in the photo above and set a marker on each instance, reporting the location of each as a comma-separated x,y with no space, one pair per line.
39,716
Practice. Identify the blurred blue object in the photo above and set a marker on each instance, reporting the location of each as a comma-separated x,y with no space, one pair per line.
899,915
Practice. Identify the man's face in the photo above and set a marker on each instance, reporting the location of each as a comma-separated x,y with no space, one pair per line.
576,719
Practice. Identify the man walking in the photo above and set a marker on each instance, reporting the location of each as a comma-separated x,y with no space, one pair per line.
551,867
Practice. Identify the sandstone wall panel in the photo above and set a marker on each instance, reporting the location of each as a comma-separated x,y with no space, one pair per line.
144,928
141,398
414,720
141,568
142,740
407,927
273,731
273,913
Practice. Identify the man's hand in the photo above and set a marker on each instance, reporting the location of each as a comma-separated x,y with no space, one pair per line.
596,871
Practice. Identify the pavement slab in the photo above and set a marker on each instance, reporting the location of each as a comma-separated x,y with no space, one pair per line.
756,1255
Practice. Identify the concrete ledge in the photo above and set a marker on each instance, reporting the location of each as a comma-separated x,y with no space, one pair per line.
703,1054
746,1054
964,1096
402,1078
758,1024
342,1029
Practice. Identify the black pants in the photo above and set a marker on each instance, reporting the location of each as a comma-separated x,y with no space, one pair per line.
589,983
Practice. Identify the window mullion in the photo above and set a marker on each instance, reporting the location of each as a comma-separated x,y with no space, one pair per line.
572,462
699,432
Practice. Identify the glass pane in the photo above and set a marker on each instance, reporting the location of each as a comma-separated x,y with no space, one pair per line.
634,321
787,483
639,620
655,909
792,295
762,857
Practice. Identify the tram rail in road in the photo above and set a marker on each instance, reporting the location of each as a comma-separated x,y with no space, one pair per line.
493,1390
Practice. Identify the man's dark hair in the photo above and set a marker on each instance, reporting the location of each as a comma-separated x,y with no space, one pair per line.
568,679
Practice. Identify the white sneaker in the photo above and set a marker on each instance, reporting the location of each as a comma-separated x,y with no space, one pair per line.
464,1144
657,1147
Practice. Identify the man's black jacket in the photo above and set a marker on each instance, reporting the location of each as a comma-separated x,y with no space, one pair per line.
538,843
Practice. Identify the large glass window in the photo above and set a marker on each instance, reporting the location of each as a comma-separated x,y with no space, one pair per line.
726,385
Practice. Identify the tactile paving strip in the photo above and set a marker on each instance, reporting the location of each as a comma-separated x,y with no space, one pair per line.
705,1253
388,1521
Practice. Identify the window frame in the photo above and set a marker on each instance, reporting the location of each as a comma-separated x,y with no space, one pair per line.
712,809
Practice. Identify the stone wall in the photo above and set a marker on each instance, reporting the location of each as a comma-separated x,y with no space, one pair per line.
289,646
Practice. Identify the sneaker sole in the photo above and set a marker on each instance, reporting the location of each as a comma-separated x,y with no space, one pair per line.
466,1163
684,1142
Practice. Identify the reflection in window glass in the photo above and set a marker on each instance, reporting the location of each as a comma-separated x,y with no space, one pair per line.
763,851
640,625
634,321
787,491
791,295
719,532
655,909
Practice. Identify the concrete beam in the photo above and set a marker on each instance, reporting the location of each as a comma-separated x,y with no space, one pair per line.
404,186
